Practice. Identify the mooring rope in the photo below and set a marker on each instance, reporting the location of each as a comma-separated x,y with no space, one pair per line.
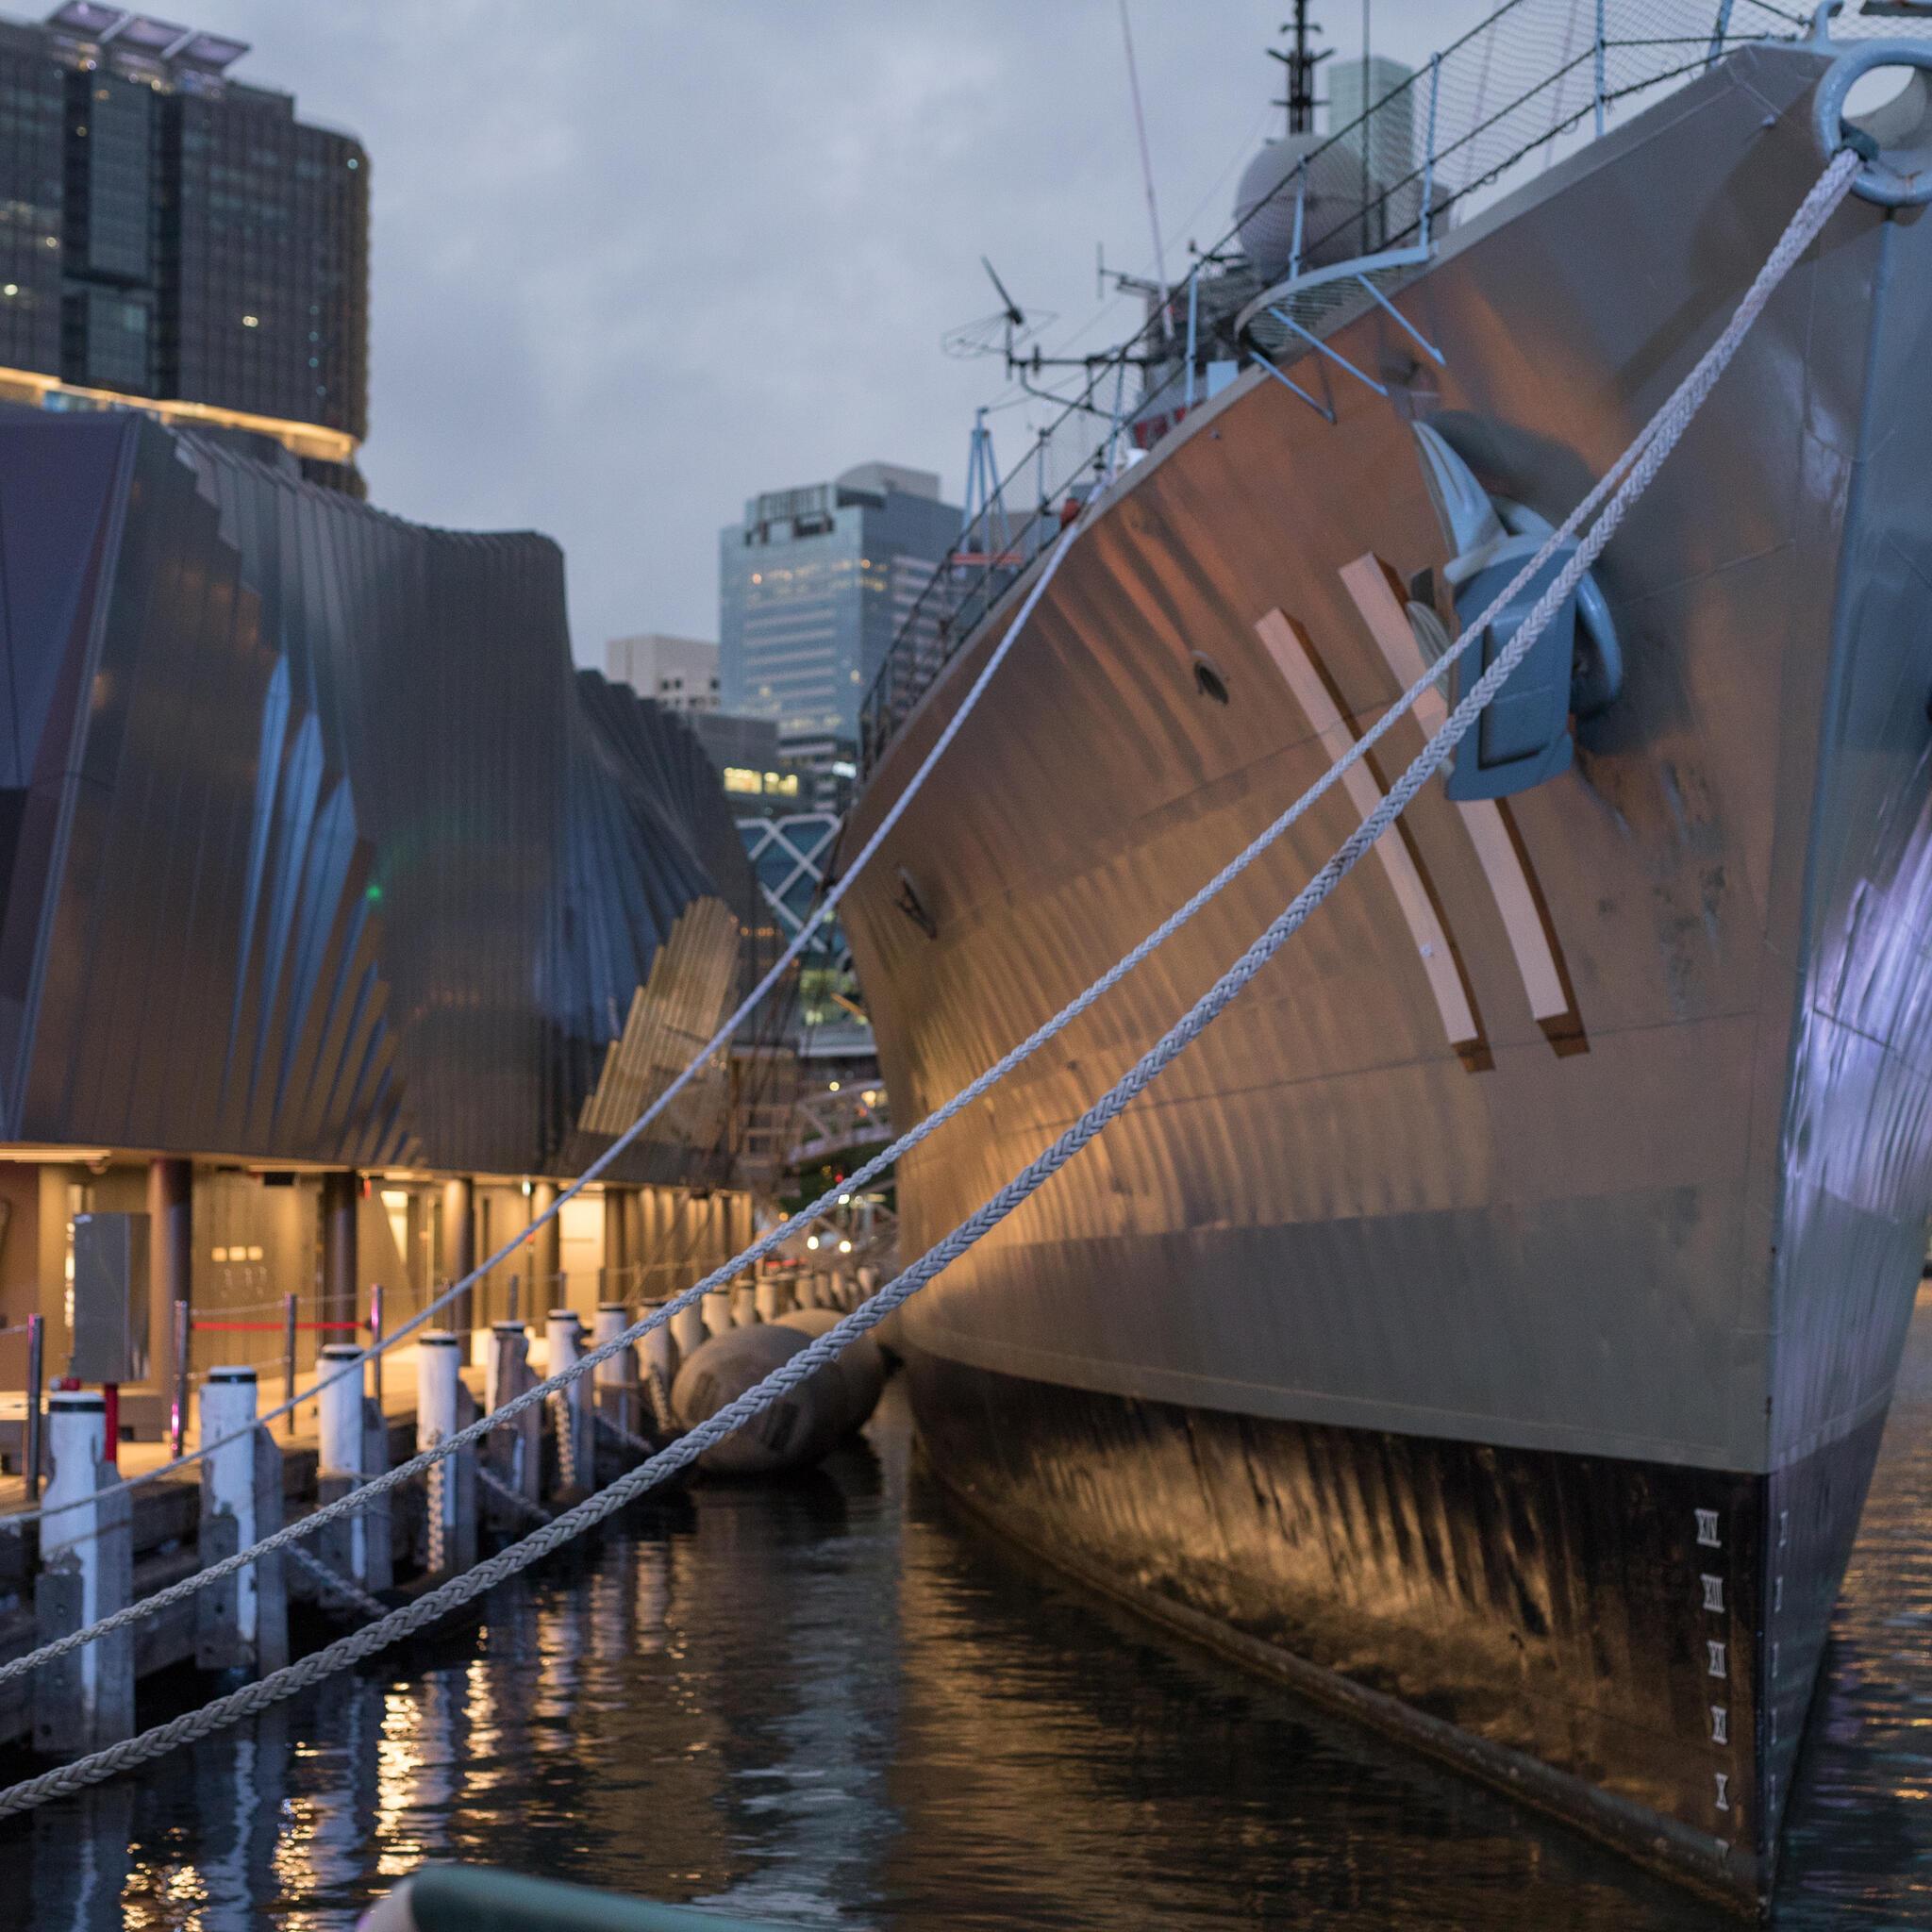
335,1584
531,1511
1636,467
1702,373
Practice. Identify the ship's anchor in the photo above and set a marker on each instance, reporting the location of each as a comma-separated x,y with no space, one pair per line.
1576,665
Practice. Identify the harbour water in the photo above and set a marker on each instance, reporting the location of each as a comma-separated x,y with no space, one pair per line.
832,1701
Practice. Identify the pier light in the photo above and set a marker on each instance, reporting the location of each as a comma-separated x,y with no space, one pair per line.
812,1240
844,1247
831,1085
844,1200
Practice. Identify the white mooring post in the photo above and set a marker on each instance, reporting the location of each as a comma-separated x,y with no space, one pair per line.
616,1389
661,1357
451,1541
716,1309
84,1700
769,1297
514,1453
576,1470
744,1304
346,1545
687,1330
242,1623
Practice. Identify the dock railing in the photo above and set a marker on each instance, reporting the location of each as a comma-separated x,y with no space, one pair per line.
1515,92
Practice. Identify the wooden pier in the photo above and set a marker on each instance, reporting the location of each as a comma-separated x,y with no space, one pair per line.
104,1546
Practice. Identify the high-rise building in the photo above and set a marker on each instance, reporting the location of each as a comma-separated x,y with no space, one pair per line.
813,586
1384,144
177,241
680,673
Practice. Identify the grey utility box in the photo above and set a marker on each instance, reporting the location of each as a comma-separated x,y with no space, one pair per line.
110,1297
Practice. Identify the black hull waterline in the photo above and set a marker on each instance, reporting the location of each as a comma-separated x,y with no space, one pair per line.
1584,1632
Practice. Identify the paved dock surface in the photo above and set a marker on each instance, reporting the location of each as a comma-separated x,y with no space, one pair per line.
831,1702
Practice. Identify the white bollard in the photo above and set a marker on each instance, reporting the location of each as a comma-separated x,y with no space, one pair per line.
769,1297
343,1544
688,1329
611,1319
436,1420
242,1623
745,1306
509,1349
616,1378
565,1335
87,1701
227,1483
514,1451
340,1408
660,1351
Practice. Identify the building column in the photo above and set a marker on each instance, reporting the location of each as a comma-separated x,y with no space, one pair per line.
618,1285
342,1202
637,1246
656,1253
170,1260
545,1252
459,1244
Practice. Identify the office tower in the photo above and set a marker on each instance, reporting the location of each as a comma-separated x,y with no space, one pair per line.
1385,144
680,673
813,586
174,239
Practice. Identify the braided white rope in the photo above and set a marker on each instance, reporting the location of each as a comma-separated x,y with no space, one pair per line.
719,1040
1688,396
1638,467
337,1585
531,1511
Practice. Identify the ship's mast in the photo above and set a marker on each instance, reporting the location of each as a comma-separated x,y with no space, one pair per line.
1298,96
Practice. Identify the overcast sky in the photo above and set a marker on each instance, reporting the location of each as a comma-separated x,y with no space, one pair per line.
634,260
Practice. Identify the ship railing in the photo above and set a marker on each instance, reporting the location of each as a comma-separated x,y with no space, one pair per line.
1531,83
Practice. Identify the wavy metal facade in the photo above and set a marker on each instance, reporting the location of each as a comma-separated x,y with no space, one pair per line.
314,846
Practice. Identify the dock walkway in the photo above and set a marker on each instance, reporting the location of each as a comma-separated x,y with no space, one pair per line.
165,1521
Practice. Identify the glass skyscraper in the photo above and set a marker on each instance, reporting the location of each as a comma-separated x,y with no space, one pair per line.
178,239
813,588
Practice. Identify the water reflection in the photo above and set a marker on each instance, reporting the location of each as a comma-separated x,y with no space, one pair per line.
830,1701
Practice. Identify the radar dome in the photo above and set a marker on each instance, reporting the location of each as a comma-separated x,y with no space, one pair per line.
1264,204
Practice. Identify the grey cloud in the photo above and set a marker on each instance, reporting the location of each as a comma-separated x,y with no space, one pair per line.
634,260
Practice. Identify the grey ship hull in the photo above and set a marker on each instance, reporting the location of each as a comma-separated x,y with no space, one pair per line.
1525,1385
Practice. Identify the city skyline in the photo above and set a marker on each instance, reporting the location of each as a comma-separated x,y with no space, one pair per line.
616,326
